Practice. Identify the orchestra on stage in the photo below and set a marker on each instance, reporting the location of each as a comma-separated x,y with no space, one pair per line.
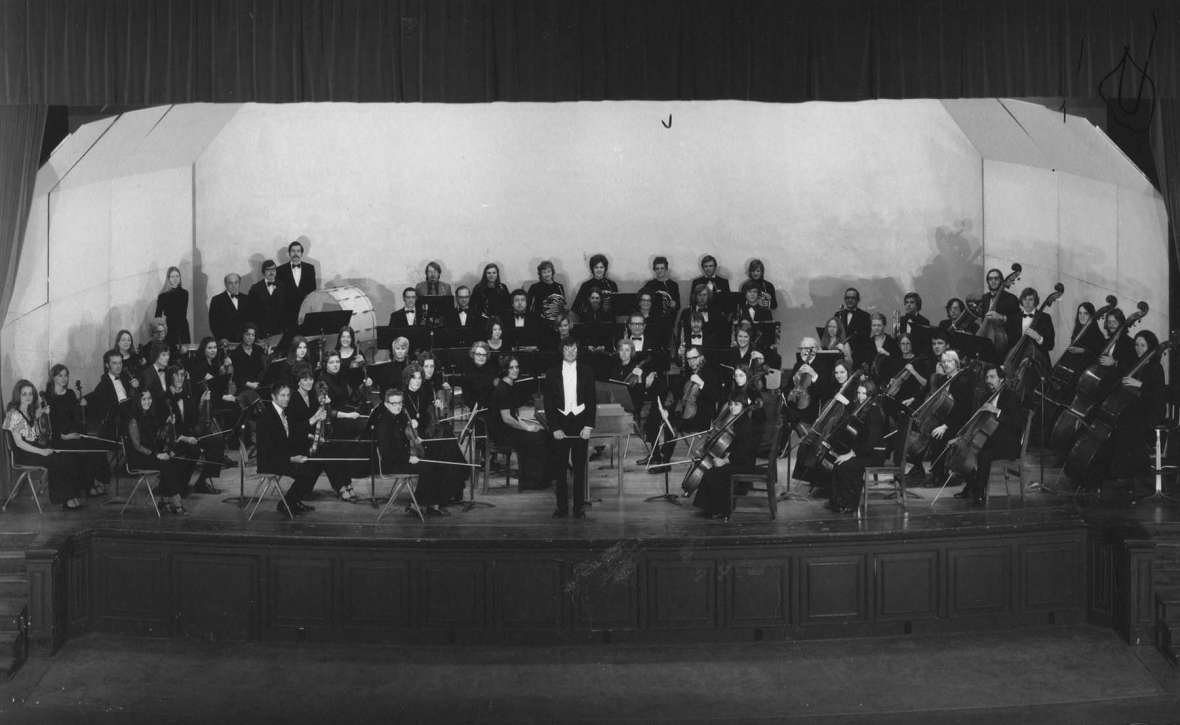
458,373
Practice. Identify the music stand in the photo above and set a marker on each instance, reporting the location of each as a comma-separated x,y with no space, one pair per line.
416,334
667,495
623,304
468,432
328,322
435,304
971,346
240,426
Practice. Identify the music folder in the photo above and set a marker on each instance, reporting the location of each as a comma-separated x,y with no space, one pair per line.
435,304
387,334
328,322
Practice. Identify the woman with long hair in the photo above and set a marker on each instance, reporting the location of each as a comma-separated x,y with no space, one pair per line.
149,448
490,296
24,419
65,416
172,305
133,362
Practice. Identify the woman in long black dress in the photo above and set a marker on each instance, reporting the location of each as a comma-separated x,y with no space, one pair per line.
713,494
439,441
31,447
172,305
526,437
148,448
400,449
490,296
65,416
1134,437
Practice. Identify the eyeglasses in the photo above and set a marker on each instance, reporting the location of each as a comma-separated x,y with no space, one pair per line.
690,358
480,353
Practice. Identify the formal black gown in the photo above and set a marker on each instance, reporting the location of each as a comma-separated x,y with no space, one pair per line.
172,305
396,442
65,415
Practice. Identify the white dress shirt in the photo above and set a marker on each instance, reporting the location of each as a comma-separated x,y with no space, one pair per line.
569,384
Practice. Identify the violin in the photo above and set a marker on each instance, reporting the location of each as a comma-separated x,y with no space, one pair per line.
992,329
1064,376
815,444
1108,417
710,446
1024,377
44,422
319,433
1093,385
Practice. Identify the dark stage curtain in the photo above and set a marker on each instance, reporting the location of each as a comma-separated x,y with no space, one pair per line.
135,52
20,148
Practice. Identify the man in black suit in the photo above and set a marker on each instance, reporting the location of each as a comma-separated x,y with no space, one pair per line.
857,327
1037,325
571,408
297,280
278,452
913,322
228,310
408,315
112,395
268,301
461,325
1006,312
523,329
710,278
154,374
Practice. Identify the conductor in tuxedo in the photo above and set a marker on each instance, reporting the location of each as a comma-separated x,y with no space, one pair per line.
297,280
279,452
571,408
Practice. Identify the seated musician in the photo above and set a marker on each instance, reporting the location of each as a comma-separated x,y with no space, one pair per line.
850,455
525,329
65,416
811,378
709,277
751,307
546,297
1123,356
1037,325
438,440
562,328
506,425
229,310
959,318
603,285
712,496
645,306
149,447
637,333
249,363
157,333
280,451
913,323
700,305
213,371
693,411
189,426
478,376
408,315
267,300
433,286
743,351
350,355
113,394
153,378
939,344
1091,339
390,374
1004,443
917,370
962,389
346,399
886,359
490,297
665,290
308,412
30,442
835,338
494,337
756,273
435,382
133,363
400,450
283,368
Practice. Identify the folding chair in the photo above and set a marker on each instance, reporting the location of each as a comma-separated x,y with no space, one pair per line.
24,475
266,482
143,477
400,480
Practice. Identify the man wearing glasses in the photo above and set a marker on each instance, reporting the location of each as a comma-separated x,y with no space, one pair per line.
699,395
857,326
1006,312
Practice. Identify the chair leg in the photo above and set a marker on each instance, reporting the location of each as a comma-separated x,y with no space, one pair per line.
146,482
263,487
25,479
398,485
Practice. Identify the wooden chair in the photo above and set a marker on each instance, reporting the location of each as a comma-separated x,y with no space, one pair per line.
1018,464
889,480
24,474
767,477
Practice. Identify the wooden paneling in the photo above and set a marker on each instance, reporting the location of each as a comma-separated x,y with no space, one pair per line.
832,588
453,594
907,585
528,594
232,615
758,592
981,579
301,591
78,588
1051,573
682,595
604,597
376,592
133,589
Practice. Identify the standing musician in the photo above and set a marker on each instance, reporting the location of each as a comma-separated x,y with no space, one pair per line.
663,288
1093,339
27,423
756,272
297,279
1123,356
229,310
700,394
65,418
857,327
490,297
133,363
408,315
249,363
546,297
712,496
280,453
151,438
462,320
1004,443
505,425
268,303
886,360
418,402
709,277
113,394
307,415
1007,309
1037,325
1132,441
432,286
525,329
571,408
752,308
172,306
600,283
186,419
959,318
913,323
401,448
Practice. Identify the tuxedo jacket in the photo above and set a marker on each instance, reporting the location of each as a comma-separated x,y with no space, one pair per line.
293,294
533,333
224,321
1008,305
720,284
274,444
104,401
398,319
555,402
268,308
1043,324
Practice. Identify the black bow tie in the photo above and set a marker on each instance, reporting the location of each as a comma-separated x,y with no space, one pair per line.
1030,314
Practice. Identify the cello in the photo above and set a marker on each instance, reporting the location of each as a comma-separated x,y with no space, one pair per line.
1070,365
932,413
711,445
962,452
992,329
1108,417
815,444
1093,386
1024,377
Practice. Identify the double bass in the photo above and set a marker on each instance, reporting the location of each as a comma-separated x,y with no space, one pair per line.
1093,386
1070,365
992,329
1024,377
1108,417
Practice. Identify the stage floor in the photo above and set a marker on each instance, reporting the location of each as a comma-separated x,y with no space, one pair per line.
525,516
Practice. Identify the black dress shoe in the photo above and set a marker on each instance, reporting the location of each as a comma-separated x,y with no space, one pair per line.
579,514
559,514
205,487
299,507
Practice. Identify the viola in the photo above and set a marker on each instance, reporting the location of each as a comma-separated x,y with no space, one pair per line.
1092,387
994,330
800,393
1064,376
1024,377
815,443
686,408
1108,417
